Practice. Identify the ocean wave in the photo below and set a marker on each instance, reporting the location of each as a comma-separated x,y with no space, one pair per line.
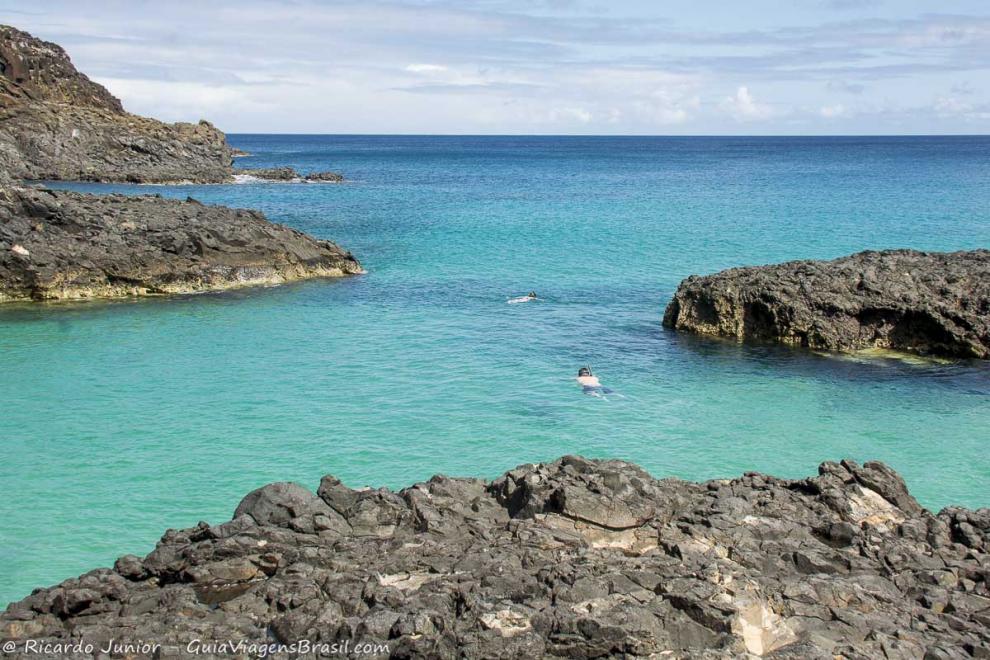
250,179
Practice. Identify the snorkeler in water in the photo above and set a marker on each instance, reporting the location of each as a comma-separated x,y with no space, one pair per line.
590,384
521,299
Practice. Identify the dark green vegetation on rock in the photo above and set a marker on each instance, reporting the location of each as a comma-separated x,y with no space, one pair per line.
55,123
66,245
930,303
574,558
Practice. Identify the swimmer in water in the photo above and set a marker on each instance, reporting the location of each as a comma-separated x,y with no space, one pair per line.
590,384
529,296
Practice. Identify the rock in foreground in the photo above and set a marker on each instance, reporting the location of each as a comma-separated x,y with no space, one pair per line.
67,245
923,302
574,558
55,123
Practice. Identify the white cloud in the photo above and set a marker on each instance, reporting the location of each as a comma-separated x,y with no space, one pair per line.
672,106
743,106
536,115
963,89
671,115
425,68
845,86
665,111
570,114
185,101
649,98
833,111
948,106
503,66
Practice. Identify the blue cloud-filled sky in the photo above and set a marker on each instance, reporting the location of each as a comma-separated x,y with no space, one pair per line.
536,66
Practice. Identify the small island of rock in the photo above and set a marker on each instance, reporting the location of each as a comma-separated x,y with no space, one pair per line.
286,175
929,303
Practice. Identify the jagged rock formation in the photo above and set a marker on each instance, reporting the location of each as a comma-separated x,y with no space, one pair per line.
923,302
575,558
66,245
324,177
268,173
55,123
287,174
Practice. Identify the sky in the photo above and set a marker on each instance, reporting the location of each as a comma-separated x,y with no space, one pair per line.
635,67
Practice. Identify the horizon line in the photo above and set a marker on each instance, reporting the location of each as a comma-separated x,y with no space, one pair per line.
626,135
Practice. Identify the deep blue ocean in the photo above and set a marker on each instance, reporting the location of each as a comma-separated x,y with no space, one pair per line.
120,419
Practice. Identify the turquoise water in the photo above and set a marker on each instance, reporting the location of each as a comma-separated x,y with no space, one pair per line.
122,419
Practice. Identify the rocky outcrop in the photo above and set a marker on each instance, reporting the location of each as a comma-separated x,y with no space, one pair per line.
576,558
268,173
286,175
66,245
55,123
922,302
324,177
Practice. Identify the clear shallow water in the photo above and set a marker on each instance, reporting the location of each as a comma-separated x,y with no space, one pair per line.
121,419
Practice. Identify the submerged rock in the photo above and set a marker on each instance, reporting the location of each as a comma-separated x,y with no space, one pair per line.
574,558
55,123
67,245
922,302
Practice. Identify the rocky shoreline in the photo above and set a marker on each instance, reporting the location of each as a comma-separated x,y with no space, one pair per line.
60,245
55,123
931,303
574,558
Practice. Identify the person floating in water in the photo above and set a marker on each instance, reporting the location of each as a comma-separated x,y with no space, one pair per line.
529,296
590,384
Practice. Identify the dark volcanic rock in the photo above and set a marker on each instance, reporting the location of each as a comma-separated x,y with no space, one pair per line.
64,245
55,123
922,302
288,174
325,177
269,173
574,558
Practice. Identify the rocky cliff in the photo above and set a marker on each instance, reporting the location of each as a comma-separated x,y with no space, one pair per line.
66,245
55,123
575,558
923,302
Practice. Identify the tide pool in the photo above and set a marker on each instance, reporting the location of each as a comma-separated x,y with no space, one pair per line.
120,419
